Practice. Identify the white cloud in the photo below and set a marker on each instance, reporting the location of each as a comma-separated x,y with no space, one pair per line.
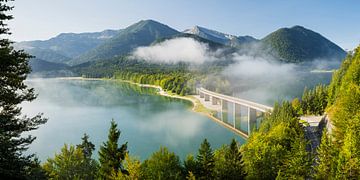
175,50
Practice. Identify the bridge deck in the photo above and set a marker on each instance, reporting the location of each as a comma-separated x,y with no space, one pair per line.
253,105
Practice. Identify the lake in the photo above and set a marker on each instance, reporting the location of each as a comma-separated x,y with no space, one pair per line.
147,121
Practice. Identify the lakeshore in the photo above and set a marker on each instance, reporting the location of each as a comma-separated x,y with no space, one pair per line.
198,106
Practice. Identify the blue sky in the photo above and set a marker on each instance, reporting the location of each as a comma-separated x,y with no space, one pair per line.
335,19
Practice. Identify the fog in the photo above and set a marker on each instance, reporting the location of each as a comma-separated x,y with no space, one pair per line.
175,50
254,73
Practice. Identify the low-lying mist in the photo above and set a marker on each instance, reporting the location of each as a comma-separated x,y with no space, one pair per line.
175,50
253,74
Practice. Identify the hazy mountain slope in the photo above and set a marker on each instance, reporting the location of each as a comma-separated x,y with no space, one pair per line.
67,45
38,65
142,33
298,44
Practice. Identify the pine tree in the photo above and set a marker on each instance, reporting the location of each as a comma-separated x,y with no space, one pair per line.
87,146
190,165
111,155
233,162
205,161
13,91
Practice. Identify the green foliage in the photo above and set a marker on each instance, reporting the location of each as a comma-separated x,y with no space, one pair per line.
313,101
162,165
348,164
111,155
298,44
278,148
173,82
339,157
347,99
334,87
133,167
13,91
205,161
326,163
87,146
228,162
70,163
190,165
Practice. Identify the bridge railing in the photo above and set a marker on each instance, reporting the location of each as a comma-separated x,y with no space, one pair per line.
253,105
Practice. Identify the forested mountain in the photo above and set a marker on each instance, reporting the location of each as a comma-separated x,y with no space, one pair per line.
219,37
68,45
291,45
38,65
298,44
142,33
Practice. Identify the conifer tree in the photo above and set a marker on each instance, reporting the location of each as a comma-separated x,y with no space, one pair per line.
87,146
14,68
111,155
233,162
205,161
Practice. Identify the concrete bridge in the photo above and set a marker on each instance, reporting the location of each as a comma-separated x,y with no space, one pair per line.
241,116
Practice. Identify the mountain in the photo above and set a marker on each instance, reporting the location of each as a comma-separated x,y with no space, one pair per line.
219,37
142,33
38,65
65,46
298,44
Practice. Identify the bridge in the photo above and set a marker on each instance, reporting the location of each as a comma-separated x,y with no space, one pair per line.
239,115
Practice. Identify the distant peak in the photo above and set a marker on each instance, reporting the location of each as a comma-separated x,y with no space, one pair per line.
297,27
149,21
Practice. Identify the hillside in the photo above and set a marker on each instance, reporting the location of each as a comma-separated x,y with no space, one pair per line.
38,65
339,151
65,46
298,44
142,33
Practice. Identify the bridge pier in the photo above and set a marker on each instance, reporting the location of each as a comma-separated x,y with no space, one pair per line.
251,119
201,95
207,97
241,115
215,101
224,110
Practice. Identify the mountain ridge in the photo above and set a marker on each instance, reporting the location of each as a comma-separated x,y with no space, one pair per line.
142,33
219,37
298,44
295,44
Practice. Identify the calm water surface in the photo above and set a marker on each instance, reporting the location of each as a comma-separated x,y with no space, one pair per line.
146,120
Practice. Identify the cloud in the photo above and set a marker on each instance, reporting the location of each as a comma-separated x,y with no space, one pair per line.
175,50
250,66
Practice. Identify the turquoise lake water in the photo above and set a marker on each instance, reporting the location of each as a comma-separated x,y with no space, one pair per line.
147,121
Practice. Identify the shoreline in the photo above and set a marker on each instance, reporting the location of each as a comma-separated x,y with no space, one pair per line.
198,107
161,92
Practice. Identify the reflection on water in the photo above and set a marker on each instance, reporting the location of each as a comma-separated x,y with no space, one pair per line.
146,120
